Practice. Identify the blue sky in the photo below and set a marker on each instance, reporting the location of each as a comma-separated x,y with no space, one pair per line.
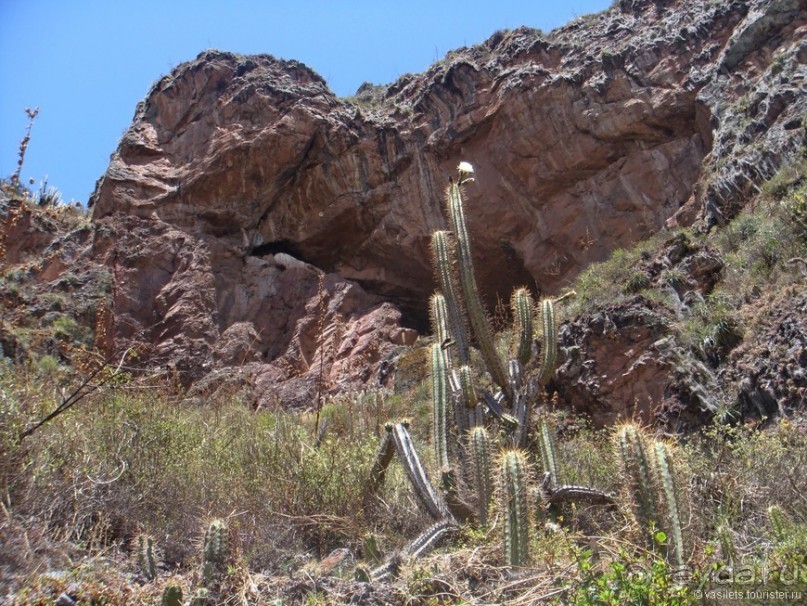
87,63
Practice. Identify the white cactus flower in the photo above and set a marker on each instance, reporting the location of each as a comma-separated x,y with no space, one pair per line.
465,168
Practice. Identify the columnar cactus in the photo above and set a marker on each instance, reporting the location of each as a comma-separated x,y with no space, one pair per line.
653,486
547,444
439,373
215,550
632,451
463,452
481,475
672,504
549,340
473,303
443,253
522,305
145,557
513,500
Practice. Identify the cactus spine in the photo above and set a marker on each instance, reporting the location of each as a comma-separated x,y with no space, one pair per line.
172,596
514,506
666,471
549,340
145,557
473,304
440,404
548,452
522,305
481,476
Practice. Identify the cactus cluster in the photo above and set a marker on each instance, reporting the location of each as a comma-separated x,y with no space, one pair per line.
653,486
470,420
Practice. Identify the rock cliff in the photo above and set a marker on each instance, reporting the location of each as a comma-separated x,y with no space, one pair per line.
252,219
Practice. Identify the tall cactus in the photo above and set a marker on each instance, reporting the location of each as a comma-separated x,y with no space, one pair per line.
443,255
513,495
549,340
522,305
473,303
672,503
480,471
439,373
632,451
653,485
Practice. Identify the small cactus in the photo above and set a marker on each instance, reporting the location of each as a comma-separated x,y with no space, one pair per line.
172,596
146,560
547,444
371,550
216,542
778,521
513,495
200,598
215,550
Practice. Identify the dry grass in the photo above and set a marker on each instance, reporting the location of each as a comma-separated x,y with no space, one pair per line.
136,459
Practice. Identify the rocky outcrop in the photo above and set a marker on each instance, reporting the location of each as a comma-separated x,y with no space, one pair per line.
584,140
291,330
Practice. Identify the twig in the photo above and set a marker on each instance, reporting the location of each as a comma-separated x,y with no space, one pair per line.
84,389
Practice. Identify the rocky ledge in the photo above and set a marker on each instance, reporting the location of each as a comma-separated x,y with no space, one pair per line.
252,219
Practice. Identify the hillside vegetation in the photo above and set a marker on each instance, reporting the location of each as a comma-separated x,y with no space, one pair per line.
137,490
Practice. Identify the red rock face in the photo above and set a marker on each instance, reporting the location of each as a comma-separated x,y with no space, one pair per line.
586,140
